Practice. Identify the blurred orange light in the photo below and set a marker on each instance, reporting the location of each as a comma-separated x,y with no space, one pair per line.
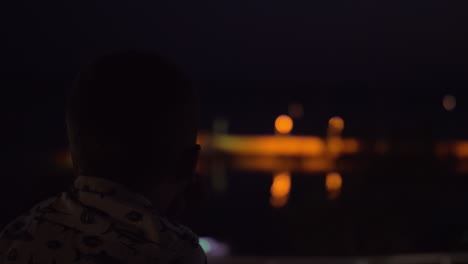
333,195
449,102
461,149
271,163
317,165
279,202
351,146
335,146
281,185
334,182
284,124
336,123
270,145
280,189
203,139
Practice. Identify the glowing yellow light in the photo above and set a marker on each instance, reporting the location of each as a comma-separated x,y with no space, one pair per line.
296,110
351,146
335,146
279,202
449,102
336,123
334,182
271,163
299,146
281,185
270,145
284,124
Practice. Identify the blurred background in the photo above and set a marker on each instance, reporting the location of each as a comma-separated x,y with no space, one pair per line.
333,128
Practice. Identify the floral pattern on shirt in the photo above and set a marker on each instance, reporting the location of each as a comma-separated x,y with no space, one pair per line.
97,221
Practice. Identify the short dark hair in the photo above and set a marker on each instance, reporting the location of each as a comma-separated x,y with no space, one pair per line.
131,113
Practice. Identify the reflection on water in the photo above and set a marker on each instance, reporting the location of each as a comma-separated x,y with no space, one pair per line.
334,184
280,189
279,154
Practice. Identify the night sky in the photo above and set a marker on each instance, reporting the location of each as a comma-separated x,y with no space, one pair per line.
244,40
256,54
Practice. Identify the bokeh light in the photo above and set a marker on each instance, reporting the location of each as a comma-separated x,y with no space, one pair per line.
351,146
461,149
333,195
334,181
335,146
281,185
449,102
336,123
280,189
284,124
270,145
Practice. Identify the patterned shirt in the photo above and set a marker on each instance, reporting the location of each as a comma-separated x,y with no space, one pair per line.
97,221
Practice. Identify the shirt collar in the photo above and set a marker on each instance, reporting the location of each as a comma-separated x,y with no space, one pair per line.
107,189
115,200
